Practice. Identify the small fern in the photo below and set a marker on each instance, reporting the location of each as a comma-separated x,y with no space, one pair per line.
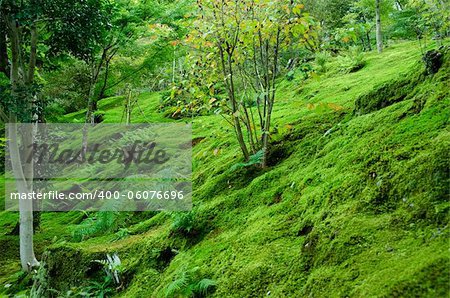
254,159
183,222
322,59
121,234
177,286
204,286
190,284
99,289
103,222
40,282
352,60
112,267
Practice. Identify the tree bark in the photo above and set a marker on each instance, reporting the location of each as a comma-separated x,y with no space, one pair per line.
4,63
22,174
237,123
227,69
369,42
378,27
271,96
27,257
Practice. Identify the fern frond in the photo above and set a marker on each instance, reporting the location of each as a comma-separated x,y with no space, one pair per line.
204,286
253,160
177,286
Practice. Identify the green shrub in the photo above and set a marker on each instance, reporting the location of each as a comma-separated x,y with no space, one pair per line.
67,87
121,234
321,60
352,60
98,289
188,99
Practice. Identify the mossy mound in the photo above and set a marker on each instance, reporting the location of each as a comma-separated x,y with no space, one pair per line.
389,93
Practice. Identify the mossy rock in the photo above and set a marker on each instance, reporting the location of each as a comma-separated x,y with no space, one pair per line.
433,60
69,266
387,94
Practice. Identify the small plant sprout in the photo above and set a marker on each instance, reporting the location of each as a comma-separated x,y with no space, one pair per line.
112,266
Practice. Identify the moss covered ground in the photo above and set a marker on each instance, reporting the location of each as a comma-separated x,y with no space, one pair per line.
355,202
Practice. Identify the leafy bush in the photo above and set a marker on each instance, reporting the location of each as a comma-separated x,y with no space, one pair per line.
352,60
188,99
322,59
97,289
67,89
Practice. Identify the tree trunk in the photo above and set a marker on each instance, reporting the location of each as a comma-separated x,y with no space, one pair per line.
378,25
237,125
271,100
27,257
22,174
92,102
128,107
4,64
369,42
106,75
95,73
227,69
39,185
235,109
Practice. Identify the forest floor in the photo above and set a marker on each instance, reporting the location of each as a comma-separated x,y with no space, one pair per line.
354,202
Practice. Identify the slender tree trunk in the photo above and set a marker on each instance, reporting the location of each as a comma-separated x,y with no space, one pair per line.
92,102
21,81
227,69
106,75
265,140
89,120
271,100
378,26
235,109
23,183
39,170
369,42
129,107
4,64
236,121
91,107
23,175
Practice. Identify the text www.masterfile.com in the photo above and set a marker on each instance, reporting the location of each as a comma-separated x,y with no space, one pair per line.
99,195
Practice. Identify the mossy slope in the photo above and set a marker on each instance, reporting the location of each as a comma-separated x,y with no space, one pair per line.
356,204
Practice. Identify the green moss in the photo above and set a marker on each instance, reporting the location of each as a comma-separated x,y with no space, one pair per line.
389,93
354,206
